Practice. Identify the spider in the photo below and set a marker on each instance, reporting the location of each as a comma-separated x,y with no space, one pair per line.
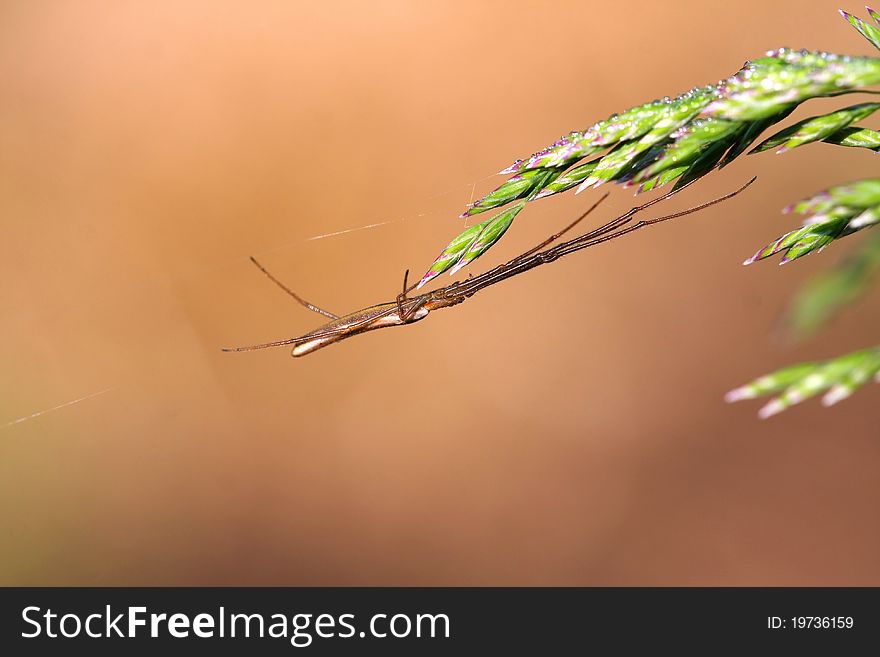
408,310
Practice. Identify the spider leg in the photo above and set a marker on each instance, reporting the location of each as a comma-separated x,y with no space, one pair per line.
406,314
298,298
556,236
402,296
417,305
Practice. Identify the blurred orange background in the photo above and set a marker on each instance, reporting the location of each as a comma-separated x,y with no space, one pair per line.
564,428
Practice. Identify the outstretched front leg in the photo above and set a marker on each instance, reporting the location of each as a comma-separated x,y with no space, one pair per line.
556,236
298,298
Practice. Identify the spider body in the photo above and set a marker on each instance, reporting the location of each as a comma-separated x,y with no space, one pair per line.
367,319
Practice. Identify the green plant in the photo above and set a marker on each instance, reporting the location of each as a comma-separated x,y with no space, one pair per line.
682,139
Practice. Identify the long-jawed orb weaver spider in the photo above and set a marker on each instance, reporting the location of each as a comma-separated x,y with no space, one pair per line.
408,310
